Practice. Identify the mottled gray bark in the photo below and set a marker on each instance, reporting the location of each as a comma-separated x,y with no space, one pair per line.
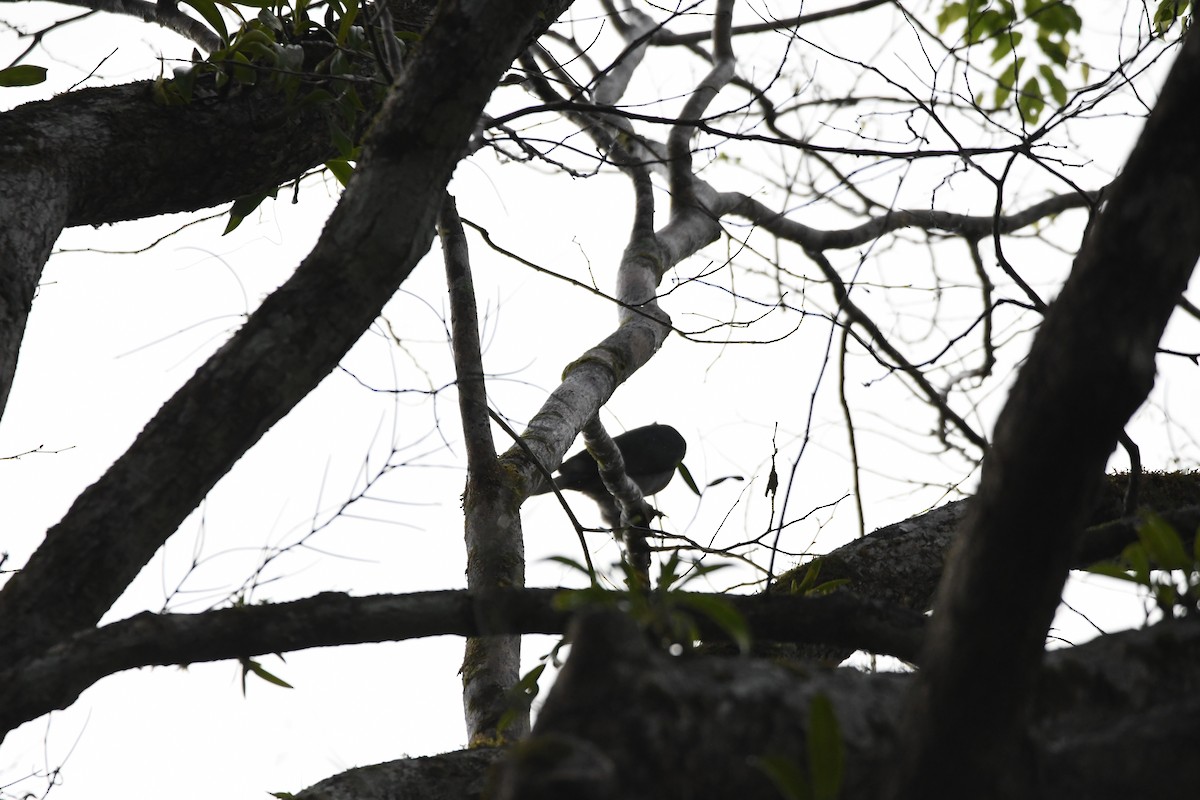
492,524
33,205
110,154
372,241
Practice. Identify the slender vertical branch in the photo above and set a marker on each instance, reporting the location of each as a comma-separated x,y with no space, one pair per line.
855,467
464,337
495,548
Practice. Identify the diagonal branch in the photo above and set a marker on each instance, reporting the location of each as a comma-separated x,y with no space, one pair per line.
168,16
370,245
665,37
859,317
1091,365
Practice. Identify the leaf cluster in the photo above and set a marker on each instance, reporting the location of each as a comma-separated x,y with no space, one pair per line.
669,615
330,65
803,580
1168,12
1161,564
1053,23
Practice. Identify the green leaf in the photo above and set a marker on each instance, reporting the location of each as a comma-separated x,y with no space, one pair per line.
341,169
1057,51
1111,570
695,571
1030,102
686,474
317,97
668,572
22,75
566,562
787,775
242,70
827,587
244,206
1056,17
253,666
1007,82
809,579
1057,90
347,21
950,14
270,20
208,10
1139,563
825,751
1165,597
341,140
992,22
1005,45
521,696
1168,11
291,57
1163,544
722,614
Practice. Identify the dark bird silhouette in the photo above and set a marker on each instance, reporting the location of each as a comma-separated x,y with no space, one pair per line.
652,454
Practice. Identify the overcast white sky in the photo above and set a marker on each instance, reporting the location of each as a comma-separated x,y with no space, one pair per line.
113,335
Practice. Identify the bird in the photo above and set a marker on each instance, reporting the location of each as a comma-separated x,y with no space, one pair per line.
652,453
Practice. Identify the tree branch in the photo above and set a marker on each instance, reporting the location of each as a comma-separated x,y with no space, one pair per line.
370,245
970,227
170,18
665,37
1090,367
53,680
720,724
492,527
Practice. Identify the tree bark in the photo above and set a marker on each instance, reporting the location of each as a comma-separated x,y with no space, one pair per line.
876,612
492,530
625,721
1090,367
110,154
372,242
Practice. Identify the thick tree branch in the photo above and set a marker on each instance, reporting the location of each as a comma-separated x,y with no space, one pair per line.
371,243
717,723
1090,367
54,680
170,18
113,153
35,202
109,154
